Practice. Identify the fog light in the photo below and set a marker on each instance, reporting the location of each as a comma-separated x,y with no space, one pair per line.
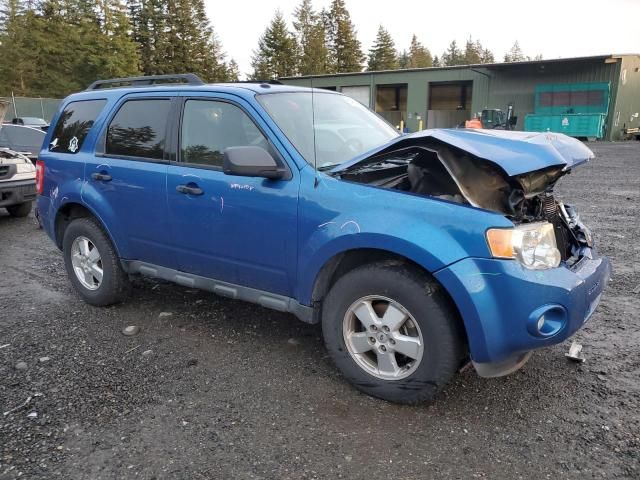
547,320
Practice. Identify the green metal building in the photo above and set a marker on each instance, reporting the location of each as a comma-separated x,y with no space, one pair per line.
443,97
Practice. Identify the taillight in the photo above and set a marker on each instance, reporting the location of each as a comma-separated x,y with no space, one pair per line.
39,176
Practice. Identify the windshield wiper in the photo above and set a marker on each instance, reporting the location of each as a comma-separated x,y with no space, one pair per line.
328,166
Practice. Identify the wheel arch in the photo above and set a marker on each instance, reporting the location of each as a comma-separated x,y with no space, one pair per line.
348,260
71,211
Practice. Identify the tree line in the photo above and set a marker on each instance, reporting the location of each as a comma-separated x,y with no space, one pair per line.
51,48
54,47
326,41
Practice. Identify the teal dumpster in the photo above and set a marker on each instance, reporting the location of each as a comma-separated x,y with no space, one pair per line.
575,109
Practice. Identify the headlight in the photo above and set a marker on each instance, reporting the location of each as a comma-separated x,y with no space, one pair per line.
25,168
533,245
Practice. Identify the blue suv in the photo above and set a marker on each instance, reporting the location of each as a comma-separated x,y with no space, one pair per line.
416,252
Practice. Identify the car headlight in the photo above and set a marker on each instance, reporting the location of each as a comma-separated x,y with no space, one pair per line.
25,168
533,245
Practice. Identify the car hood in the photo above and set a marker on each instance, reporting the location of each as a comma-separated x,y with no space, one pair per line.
516,153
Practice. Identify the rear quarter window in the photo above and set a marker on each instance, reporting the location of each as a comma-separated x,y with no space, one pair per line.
74,124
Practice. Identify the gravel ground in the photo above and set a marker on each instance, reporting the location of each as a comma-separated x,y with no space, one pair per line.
223,389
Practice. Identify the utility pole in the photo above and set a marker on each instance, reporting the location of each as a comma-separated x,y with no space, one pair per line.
15,110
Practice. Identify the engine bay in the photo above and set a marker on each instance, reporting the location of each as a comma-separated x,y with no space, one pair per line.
450,174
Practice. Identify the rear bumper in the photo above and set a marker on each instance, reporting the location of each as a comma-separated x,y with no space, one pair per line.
501,303
16,192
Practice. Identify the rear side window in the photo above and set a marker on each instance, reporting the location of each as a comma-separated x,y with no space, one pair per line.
74,124
139,129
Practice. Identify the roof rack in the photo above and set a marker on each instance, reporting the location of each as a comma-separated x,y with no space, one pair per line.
179,78
268,82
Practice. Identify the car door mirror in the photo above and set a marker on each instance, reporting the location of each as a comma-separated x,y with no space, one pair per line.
251,162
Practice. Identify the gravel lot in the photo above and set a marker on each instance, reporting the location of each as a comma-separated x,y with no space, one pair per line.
223,389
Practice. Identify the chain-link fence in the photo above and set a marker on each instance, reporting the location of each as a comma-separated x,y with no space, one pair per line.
31,107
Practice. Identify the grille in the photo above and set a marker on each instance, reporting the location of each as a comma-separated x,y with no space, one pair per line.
7,171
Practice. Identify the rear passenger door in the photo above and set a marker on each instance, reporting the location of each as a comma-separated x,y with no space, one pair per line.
241,230
126,177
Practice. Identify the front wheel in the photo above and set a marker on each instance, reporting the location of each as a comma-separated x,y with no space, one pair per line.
92,263
392,332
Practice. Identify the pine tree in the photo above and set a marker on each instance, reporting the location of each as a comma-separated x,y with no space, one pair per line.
472,52
487,55
453,55
403,59
382,55
419,55
345,51
151,36
175,36
116,54
233,72
65,35
515,54
436,61
311,38
18,60
273,57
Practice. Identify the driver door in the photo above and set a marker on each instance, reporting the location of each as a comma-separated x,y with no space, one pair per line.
241,230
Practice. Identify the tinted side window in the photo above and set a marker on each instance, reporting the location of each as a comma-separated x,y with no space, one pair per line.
74,124
139,129
208,127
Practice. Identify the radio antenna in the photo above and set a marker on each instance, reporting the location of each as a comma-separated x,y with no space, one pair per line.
313,127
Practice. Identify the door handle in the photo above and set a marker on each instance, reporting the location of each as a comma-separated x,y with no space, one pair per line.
104,177
189,190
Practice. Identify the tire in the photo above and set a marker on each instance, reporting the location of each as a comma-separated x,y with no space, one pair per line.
431,321
20,210
114,286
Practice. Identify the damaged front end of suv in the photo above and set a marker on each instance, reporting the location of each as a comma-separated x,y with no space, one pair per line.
542,278
512,173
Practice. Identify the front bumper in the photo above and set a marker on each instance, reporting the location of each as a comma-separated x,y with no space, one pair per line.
17,192
501,302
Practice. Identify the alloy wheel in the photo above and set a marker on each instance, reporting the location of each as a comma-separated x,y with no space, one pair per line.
87,263
383,337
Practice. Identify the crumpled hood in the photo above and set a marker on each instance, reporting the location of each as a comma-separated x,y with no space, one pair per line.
516,153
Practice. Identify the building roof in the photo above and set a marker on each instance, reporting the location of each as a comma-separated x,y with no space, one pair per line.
497,65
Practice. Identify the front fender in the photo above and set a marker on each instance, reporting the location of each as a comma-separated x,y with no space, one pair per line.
338,216
331,240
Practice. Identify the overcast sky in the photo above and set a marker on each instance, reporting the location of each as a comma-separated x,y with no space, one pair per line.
553,28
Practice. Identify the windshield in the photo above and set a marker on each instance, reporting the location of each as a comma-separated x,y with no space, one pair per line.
344,128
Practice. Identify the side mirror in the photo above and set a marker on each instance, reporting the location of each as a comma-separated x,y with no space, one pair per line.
251,162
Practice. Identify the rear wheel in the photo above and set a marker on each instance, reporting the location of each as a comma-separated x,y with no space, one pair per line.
392,332
92,263
20,210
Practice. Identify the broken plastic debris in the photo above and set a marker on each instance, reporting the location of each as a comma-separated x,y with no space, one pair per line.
574,353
